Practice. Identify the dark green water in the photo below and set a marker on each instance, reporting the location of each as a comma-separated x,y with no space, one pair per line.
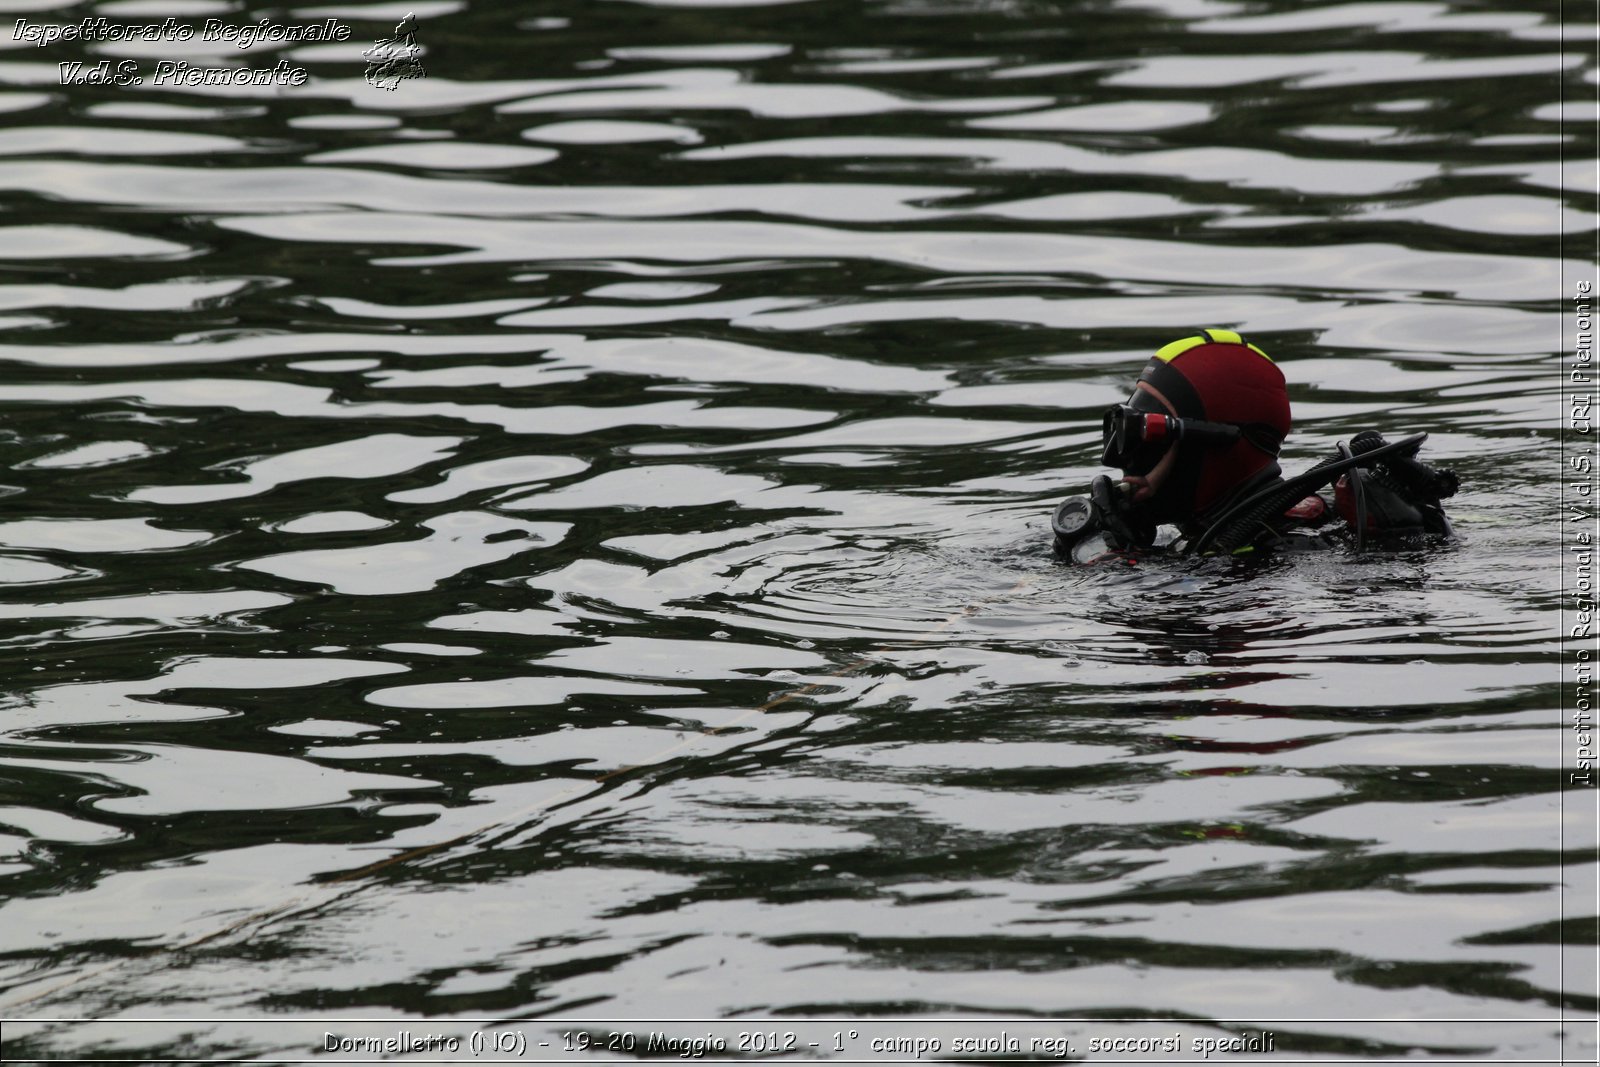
617,465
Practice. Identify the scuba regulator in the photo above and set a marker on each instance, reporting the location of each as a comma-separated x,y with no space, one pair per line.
1086,527
1134,441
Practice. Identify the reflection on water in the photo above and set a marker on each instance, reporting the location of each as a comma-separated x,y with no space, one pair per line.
617,465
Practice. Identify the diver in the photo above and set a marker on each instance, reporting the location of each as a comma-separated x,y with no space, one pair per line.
1198,445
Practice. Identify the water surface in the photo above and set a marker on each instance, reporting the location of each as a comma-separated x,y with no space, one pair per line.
617,466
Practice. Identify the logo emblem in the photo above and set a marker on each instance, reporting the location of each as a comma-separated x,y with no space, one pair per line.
392,60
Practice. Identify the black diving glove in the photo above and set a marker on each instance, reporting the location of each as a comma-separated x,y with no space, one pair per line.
1122,530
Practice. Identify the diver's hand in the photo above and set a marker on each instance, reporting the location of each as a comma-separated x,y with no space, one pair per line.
1109,501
